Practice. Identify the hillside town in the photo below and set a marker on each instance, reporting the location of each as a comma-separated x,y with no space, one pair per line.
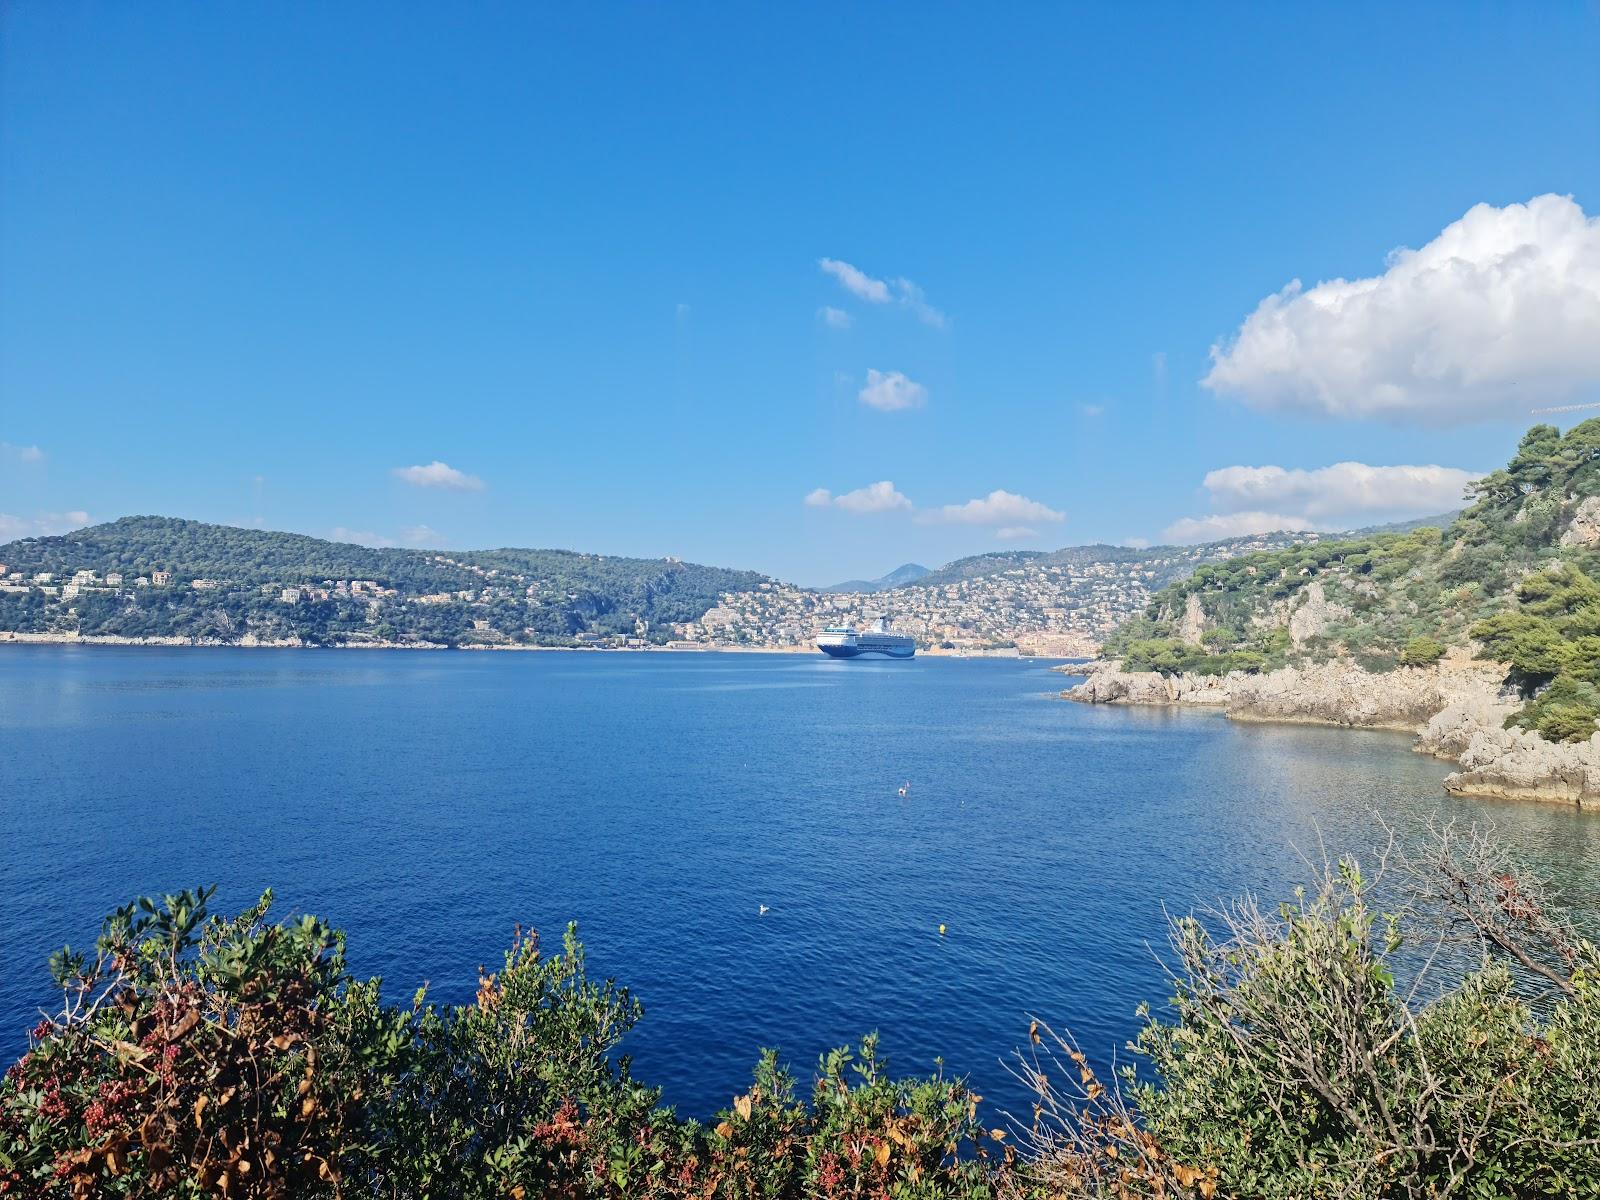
365,611
1056,605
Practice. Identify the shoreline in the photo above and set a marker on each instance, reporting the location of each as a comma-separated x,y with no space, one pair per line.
8,638
1454,711
184,643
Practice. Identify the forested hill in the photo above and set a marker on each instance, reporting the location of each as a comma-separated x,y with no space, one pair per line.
224,582
1160,564
1511,578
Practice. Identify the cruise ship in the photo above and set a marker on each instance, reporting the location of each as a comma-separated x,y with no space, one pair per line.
844,642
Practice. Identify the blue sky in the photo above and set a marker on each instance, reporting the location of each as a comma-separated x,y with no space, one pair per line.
257,260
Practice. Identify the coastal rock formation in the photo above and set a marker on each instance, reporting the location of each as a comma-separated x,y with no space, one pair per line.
1314,615
1194,621
1341,693
1450,731
1457,709
1514,764
1584,528
1110,684
1334,693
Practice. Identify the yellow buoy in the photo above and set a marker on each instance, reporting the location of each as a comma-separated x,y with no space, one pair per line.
941,931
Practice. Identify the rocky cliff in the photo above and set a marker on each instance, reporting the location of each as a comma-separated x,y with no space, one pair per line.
1457,709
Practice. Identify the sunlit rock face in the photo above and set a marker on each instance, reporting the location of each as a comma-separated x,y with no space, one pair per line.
1584,528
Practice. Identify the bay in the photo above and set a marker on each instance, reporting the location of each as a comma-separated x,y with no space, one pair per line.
428,803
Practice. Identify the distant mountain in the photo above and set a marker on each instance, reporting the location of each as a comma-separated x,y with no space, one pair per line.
226,583
899,577
979,564
1438,521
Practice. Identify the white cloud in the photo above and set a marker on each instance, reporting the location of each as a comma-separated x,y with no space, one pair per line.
1499,313
913,298
1342,492
412,535
439,475
891,391
61,522
1092,410
42,525
361,537
1347,494
1012,533
856,281
834,318
874,498
1136,543
997,508
877,497
879,291
27,454
421,535
1226,525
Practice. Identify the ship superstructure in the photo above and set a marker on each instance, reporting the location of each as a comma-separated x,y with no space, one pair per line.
842,641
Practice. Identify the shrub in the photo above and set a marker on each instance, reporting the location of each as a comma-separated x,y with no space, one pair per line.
1421,652
196,1056
190,1054
1566,711
1532,646
1293,1066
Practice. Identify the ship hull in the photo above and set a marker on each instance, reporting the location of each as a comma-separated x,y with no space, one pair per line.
859,651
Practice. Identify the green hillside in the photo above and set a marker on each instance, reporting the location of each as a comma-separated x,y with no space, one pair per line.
1164,564
542,597
1510,576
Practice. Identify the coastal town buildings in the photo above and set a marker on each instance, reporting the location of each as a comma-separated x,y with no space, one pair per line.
1059,604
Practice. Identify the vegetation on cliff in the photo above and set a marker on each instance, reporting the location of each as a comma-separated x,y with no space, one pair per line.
1510,576
207,1056
538,597
1159,565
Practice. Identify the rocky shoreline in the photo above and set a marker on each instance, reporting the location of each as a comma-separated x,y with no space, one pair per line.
1456,710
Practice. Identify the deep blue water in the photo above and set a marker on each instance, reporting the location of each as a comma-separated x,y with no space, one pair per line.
428,802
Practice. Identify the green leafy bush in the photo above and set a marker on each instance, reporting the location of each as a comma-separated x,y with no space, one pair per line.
1550,644
1566,711
1422,651
1171,656
1293,1065
197,1056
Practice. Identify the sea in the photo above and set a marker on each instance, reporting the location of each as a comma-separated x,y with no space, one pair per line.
728,831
